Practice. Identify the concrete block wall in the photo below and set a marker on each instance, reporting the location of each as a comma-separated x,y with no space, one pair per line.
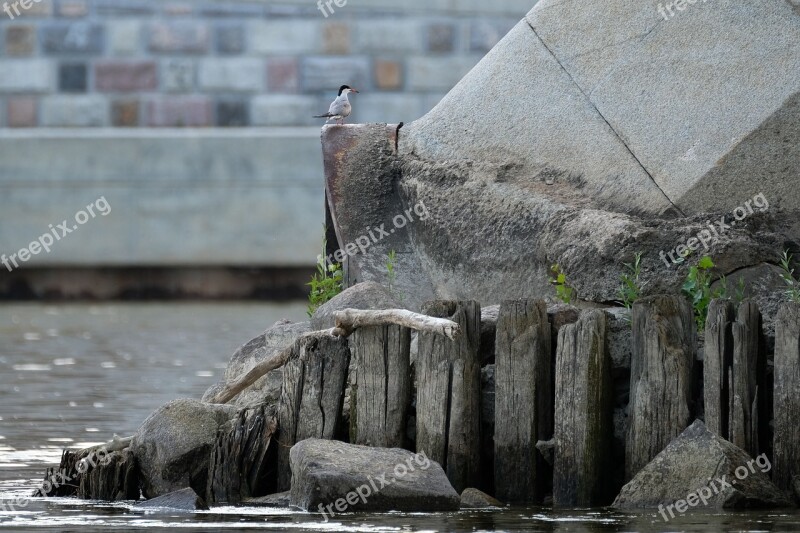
205,63
193,118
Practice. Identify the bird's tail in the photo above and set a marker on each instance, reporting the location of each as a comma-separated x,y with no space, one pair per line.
326,115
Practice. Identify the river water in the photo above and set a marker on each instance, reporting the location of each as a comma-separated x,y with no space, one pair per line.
74,375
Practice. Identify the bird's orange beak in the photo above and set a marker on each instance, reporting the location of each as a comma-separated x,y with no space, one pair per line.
353,90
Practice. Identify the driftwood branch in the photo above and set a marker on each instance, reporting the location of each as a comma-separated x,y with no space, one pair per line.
347,321
115,445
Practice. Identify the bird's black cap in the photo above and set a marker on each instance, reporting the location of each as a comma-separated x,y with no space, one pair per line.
342,88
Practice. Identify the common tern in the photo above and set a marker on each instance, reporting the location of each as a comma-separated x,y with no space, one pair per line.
340,108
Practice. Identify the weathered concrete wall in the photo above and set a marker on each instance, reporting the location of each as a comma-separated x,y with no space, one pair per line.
134,71
233,63
177,197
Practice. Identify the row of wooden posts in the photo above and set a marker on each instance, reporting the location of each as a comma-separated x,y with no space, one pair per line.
571,409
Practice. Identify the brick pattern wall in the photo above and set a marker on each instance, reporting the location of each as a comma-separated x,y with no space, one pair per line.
157,63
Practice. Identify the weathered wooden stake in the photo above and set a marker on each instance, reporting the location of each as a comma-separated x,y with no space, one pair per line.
662,360
523,399
583,413
311,397
448,393
731,372
786,462
383,385
717,360
747,380
239,467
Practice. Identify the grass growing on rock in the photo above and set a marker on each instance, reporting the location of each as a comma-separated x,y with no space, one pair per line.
792,283
326,283
564,291
632,286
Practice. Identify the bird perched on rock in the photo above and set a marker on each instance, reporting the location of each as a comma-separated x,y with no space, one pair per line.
340,108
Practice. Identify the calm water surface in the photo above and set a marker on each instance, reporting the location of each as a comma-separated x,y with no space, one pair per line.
74,375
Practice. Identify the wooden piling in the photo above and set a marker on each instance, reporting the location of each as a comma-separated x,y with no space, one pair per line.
717,361
733,373
448,393
747,381
383,386
786,461
662,359
583,413
523,399
311,396
239,466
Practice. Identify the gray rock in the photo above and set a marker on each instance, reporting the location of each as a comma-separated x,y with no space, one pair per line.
268,388
487,424
548,449
488,332
476,499
326,473
620,336
796,488
700,463
487,398
180,500
366,295
279,499
560,314
172,446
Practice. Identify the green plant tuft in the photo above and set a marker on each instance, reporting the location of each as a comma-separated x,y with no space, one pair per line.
792,283
326,283
739,296
698,288
631,287
564,291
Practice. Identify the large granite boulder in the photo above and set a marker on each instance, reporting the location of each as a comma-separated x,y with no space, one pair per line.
632,109
365,295
268,388
594,131
700,469
334,477
173,445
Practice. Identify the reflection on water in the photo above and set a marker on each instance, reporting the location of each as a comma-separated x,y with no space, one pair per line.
74,375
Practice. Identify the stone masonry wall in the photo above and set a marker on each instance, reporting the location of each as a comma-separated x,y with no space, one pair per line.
156,63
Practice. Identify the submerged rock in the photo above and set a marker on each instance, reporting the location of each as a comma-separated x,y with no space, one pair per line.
279,499
172,447
334,477
700,469
476,499
181,500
